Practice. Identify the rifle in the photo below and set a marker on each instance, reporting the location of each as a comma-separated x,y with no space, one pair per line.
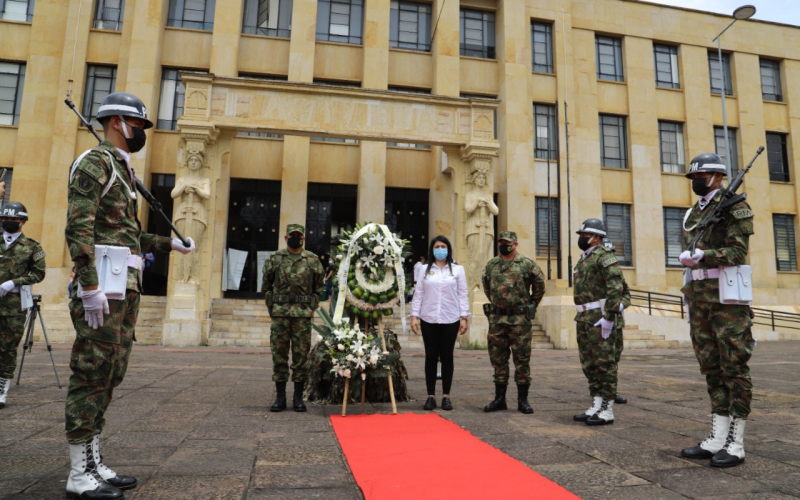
147,195
728,199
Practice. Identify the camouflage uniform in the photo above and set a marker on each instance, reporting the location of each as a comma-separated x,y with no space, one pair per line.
598,276
721,335
288,278
100,357
23,263
507,286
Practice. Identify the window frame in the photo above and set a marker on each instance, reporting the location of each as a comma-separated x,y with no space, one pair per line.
251,18
726,64
546,67
99,21
19,87
176,15
674,81
616,47
787,225
623,148
775,175
488,23
775,66
543,226
354,20
396,8
8,179
680,147
28,11
719,148
673,238
540,153
626,243
177,94
89,100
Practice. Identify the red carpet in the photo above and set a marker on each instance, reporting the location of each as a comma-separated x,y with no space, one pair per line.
420,457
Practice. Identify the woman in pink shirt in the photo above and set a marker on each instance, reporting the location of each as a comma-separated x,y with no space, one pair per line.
440,309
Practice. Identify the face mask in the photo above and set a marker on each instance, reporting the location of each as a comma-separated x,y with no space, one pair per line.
135,143
700,186
583,243
11,227
506,249
295,242
440,253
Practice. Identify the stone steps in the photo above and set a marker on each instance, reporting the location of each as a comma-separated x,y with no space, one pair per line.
633,338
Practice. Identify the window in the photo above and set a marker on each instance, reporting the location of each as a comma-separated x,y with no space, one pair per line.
785,247
546,226
340,83
771,80
268,17
542,45
12,80
613,142
8,178
411,90
617,219
609,58
666,57
672,149
335,139
545,136
194,14
100,81
408,145
340,20
243,133
277,78
719,144
16,10
410,26
170,105
108,14
477,33
673,236
716,75
777,158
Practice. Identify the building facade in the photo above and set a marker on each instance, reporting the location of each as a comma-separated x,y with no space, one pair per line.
473,90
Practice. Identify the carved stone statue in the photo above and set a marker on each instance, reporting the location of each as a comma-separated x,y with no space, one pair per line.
191,216
480,208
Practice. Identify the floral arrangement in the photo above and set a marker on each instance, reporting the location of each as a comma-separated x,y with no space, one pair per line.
350,350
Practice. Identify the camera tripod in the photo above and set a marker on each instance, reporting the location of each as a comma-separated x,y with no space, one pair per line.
30,321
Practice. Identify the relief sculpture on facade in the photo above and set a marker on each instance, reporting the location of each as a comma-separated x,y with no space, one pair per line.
480,208
191,216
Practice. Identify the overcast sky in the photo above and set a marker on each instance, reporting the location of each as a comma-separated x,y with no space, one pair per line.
781,11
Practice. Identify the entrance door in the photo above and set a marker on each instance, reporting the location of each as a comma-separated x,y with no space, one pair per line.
407,214
331,208
154,278
253,226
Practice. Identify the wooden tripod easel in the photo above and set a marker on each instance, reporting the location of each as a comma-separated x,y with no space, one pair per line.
391,385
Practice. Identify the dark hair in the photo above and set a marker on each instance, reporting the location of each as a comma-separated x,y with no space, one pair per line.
432,259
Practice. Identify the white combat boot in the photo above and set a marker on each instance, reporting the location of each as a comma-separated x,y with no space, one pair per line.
84,481
597,402
713,442
5,385
111,477
604,415
733,452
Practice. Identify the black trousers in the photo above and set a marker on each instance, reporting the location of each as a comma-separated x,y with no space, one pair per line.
440,340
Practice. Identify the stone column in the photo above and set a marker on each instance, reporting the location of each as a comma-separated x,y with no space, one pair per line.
294,182
303,41
225,40
445,48
371,202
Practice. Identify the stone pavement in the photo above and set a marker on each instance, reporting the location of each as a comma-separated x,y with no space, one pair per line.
194,424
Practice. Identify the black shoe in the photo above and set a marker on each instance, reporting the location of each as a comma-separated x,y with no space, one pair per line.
620,400
297,400
430,404
581,418
446,404
122,482
725,459
103,492
697,453
499,402
522,400
280,397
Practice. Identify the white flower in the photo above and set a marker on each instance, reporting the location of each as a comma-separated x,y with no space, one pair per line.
360,336
319,338
339,257
340,347
349,357
373,360
378,250
358,346
385,353
347,372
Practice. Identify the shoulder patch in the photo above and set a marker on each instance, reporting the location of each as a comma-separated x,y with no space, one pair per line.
83,183
38,256
609,261
94,165
744,213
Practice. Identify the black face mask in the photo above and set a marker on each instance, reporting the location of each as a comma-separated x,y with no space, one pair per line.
583,243
295,242
137,142
699,186
506,249
11,226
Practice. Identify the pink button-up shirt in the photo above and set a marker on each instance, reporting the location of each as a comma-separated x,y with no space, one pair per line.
441,295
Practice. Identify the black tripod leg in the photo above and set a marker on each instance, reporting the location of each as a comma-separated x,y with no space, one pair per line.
28,340
49,348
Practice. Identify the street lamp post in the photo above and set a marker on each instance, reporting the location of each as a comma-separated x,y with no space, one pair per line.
740,14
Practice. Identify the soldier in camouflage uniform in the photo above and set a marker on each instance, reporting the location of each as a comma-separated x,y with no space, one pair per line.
721,334
514,285
293,281
598,296
626,303
21,263
102,209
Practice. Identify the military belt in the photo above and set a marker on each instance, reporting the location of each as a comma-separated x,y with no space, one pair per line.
292,299
705,274
508,312
597,304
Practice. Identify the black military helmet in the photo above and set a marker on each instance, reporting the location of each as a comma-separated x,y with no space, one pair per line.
609,244
707,162
14,210
592,226
123,104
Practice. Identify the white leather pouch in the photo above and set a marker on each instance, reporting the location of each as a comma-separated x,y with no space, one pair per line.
26,296
735,285
112,270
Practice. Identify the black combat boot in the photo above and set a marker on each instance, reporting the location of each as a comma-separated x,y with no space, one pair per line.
522,399
499,402
280,397
297,401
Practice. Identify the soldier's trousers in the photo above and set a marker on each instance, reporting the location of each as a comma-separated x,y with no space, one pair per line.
11,332
598,359
619,345
723,344
290,335
510,340
98,366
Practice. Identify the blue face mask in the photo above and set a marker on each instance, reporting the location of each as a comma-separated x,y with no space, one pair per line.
440,253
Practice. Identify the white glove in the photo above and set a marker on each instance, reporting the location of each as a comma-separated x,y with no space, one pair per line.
177,245
606,327
690,260
95,305
621,307
6,287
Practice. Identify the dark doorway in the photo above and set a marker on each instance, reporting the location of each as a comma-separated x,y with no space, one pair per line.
154,277
254,214
407,214
331,208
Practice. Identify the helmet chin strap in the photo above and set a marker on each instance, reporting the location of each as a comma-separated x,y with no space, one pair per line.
124,127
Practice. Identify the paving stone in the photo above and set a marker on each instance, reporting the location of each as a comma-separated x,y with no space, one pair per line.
303,494
230,487
139,439
645,492
298,455
692,481
587,475
299,476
